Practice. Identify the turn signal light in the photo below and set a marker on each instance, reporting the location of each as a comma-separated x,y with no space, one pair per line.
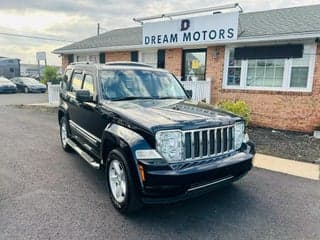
141,171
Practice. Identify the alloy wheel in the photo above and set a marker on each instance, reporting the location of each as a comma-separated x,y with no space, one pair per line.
117,180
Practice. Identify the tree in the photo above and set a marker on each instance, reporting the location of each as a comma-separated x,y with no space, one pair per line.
50,74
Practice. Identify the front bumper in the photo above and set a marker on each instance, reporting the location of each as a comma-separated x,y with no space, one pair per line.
171,185
8,90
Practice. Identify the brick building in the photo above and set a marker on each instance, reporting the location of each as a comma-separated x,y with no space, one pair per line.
271,60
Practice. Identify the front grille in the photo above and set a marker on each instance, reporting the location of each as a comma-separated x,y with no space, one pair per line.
208,142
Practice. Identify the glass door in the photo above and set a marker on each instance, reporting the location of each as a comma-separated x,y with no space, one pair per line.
194,65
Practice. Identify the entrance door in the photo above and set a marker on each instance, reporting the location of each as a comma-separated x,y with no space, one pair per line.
194,65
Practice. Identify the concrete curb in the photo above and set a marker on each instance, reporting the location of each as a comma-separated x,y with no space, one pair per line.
291,167
46,107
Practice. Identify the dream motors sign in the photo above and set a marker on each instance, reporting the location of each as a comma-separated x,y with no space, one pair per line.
220,27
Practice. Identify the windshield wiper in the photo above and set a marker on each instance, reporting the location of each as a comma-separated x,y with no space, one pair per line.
169,98
129,98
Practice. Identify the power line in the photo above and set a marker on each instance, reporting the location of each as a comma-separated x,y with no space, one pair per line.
34,37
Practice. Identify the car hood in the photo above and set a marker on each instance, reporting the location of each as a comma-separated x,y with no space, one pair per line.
167,114
36,85
7,84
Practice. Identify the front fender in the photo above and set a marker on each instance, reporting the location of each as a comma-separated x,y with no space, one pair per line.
63,111
117,136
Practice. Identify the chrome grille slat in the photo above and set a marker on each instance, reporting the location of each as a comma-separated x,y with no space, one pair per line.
192,144
218,140
215,142
200,144
228,140
208,142
222,141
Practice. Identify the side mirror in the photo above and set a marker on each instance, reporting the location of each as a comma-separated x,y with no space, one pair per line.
83,96
189,93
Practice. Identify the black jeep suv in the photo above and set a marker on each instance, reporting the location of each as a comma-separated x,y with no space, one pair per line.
156,146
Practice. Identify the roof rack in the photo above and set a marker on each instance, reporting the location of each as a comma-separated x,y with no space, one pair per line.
128,63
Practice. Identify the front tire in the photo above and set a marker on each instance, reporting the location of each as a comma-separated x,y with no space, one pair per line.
123,192
64,134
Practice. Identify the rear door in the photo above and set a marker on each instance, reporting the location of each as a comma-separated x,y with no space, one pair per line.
88,120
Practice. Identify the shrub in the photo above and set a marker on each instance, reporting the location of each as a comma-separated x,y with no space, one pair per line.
50,74
238,107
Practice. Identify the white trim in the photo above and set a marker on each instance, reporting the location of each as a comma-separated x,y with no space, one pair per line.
284,37
286,77
152,53
87,55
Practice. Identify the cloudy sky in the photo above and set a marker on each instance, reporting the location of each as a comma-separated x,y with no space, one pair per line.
75,20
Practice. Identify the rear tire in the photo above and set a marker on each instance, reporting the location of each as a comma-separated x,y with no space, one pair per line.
64,134
123,192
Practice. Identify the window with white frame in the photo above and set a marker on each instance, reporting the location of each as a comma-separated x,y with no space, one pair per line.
82,58
149,57
87,58
293,74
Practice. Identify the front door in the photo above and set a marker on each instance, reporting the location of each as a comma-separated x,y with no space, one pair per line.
194,65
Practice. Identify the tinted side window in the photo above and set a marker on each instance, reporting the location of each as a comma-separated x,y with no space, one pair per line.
67,75
66,79
88,84
76,81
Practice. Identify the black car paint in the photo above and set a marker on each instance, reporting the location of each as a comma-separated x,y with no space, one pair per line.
131,125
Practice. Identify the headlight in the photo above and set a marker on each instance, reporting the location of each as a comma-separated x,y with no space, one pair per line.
169,145
239,134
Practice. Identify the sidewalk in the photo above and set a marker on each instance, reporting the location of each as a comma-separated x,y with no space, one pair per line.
291,167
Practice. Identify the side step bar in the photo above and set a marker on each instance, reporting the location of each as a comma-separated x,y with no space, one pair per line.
83,154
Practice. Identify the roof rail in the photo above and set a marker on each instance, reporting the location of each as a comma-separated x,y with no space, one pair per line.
128,63
84,62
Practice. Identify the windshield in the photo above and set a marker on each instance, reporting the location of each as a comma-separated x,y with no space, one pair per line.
139,84
29,80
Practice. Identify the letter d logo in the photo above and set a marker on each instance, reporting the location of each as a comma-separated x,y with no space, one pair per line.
185,24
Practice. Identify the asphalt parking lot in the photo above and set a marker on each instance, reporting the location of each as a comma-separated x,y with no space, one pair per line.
23,98
46,193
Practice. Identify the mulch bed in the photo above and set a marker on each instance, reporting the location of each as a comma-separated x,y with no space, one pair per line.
286,144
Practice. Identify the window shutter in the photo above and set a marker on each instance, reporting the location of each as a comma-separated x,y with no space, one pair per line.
161,58
102,57
134,56
70,58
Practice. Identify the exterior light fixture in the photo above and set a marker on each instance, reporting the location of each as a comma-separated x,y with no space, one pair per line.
141,20
215,53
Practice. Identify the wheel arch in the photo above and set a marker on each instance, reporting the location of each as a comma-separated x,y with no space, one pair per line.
62,111
116,136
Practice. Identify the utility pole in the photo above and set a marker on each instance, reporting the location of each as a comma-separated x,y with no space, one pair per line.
98,29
